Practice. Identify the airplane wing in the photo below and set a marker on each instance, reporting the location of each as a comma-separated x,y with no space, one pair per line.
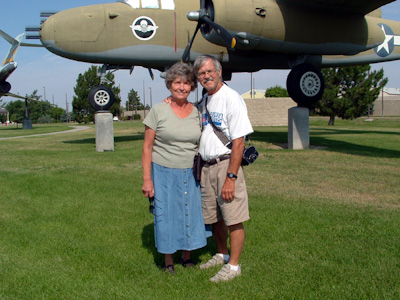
361,7
16,96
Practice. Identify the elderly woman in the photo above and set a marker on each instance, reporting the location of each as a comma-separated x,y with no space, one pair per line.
172,132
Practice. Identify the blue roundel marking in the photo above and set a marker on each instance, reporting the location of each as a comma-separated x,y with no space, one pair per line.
387,47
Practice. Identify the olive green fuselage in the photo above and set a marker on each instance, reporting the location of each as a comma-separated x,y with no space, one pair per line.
270,34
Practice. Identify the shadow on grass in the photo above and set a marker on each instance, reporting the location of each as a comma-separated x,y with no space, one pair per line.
117,139
11,128
317,139
332,131
149,243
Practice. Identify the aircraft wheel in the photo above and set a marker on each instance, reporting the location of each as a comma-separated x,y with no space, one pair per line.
305,84
5,87
101,97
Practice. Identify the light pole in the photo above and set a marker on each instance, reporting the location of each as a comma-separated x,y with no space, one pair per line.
41,103
144,100
251,85
151,98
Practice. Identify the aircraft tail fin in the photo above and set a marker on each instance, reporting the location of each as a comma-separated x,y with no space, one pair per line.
15,43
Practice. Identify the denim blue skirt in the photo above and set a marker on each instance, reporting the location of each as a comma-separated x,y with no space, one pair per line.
178,217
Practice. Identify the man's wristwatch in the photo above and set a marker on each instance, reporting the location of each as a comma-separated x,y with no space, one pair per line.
231,175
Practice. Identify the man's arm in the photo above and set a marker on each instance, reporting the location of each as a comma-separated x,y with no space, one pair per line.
228,190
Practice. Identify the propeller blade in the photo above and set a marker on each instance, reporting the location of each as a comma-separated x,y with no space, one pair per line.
202,17
185,56
227,38
151,74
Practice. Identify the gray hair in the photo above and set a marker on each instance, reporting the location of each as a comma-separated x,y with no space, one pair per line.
181,70
201,60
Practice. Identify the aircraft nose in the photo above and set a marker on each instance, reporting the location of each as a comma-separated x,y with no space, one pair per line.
81,24
47,32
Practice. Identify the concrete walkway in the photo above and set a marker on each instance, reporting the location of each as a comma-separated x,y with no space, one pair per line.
76,128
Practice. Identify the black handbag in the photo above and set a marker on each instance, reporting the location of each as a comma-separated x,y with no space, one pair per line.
250,154
198,164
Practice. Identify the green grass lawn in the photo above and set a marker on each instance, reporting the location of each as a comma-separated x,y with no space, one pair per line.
325,222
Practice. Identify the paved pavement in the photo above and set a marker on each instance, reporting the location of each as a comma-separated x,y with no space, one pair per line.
76,128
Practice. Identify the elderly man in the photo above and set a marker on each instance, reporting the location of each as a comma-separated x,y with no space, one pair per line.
224,194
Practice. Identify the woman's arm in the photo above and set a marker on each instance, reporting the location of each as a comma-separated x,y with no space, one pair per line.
149,136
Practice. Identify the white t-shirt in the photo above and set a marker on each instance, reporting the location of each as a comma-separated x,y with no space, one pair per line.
229,113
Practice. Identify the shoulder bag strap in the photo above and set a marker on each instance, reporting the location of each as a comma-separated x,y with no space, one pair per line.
222,137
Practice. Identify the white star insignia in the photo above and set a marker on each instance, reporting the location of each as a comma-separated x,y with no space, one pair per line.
385,44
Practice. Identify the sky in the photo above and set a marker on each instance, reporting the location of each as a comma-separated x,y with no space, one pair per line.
55,77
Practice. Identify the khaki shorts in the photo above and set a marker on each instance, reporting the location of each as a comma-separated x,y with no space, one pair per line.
214,207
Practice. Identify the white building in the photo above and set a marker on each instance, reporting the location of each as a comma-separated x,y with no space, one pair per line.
254,94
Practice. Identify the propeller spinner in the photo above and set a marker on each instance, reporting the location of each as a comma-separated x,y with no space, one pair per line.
202,16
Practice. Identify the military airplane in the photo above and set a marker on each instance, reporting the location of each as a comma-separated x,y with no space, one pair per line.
246,36
9,65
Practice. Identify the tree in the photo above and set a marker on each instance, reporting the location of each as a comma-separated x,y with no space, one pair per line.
65,118
16,109
82,110
133,102
38,111
276,91
349,91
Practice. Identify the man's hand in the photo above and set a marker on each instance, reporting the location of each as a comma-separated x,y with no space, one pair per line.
167,100
228,190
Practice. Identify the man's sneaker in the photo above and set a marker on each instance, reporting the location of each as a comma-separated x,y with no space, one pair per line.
216,260
225,274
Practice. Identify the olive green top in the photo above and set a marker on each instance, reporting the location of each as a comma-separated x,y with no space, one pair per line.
176,140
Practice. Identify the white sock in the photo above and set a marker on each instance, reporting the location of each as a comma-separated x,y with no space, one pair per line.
234,268
225,256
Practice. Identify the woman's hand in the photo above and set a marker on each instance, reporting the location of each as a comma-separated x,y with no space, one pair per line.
148,188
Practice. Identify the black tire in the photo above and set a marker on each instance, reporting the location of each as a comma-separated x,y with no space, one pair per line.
5,87
305,84
101,97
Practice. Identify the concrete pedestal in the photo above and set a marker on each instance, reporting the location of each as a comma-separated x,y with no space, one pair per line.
27,124
299,128
104,131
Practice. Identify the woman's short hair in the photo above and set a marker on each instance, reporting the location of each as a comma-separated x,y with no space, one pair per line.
201,60
181,70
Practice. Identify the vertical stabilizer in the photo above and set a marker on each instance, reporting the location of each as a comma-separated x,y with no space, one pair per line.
14,45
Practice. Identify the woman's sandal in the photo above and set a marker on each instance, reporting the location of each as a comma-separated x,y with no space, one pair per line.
169,269
187,263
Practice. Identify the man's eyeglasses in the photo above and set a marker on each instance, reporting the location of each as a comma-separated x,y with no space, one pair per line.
208,72
151,207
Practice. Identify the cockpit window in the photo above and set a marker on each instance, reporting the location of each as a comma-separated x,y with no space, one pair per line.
165,4
133,3
150,4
